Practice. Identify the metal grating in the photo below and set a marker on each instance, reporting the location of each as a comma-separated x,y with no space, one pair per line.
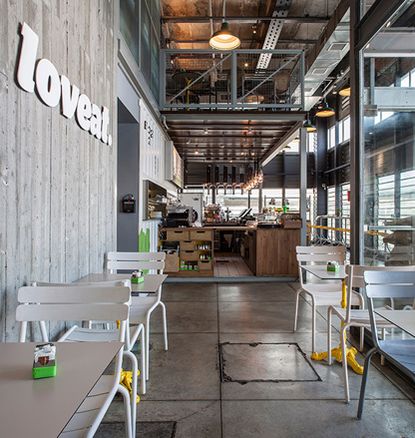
274,32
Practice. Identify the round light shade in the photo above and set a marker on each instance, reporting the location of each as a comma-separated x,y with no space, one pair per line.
345,92
309,126
223,39
325,111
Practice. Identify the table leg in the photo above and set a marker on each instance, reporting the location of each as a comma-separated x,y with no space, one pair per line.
337,351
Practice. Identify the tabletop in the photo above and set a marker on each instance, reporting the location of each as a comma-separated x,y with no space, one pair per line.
151,282
322,273
403,319
42,408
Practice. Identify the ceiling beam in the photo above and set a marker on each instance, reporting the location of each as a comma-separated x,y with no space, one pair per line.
244,117
245,40
208,136
241,18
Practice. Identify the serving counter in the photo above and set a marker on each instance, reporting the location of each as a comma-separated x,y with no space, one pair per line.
267,251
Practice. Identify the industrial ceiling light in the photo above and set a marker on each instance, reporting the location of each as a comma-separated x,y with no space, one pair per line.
223,39
345,92
308,125
324,110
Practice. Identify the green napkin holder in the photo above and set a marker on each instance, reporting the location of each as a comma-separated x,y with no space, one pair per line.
43,371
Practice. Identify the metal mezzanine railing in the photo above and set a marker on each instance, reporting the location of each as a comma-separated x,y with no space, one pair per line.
236,80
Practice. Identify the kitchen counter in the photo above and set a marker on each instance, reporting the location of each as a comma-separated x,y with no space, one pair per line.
267,251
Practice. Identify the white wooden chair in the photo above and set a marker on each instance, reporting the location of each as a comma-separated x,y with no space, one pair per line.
143,306
90,334
356,317
79,304
322,293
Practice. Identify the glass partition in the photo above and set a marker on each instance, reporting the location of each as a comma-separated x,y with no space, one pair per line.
388,145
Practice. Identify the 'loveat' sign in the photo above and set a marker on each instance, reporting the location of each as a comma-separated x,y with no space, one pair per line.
53,89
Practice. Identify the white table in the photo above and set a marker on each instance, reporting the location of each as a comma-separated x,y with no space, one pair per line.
403,319
150,285
42,408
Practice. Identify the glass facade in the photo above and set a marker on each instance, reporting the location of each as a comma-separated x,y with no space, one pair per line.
388,153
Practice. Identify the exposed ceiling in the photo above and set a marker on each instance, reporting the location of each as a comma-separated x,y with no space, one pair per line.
186,24
227,137
189,25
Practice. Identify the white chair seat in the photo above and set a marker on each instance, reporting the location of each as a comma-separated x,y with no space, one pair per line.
90,335
359,316
322,287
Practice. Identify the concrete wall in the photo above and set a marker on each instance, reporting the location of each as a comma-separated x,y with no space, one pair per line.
57,212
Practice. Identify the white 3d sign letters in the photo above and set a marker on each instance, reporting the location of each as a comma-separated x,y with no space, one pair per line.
54,89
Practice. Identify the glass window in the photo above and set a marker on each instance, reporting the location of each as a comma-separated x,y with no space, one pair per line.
234,202
272,198
345,203
129,24
407,193
387,157
345,124
331,139
331,201
292,198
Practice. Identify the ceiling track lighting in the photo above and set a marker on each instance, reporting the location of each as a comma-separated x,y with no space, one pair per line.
223,39
324,110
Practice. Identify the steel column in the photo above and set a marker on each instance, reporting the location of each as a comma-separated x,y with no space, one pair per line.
303,184
356,117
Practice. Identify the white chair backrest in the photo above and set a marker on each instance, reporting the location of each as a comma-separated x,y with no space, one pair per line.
385,284
355,279
104,283
132,261
72,303
317,254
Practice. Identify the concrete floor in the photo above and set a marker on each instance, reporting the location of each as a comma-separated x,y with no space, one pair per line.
242,332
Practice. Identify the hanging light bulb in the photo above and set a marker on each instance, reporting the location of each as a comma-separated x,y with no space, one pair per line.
324,110
223,39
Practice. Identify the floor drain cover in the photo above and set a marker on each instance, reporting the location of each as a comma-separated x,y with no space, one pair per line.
265,362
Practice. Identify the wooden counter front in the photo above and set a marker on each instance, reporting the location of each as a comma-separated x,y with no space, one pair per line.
275,251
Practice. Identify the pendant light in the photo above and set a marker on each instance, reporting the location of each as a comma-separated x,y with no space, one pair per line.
309,127
223,39
345,92
324,110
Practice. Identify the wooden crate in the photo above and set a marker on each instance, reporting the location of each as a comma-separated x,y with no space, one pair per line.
205,265
187,245
189,255
200,235
177,235
172,262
